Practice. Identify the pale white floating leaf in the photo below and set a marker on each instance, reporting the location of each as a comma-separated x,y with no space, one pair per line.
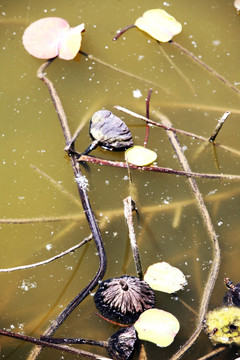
157,326
159,24
46,37
164,277
71,43
140,156
237,4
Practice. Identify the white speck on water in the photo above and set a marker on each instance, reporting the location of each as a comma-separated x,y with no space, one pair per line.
220,223
140,57
107,182
137,93
27,285
49,246
212,192
216,42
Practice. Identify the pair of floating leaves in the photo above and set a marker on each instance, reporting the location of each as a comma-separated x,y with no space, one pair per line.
159,25
52,36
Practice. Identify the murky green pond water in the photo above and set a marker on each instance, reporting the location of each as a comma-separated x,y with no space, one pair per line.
170,227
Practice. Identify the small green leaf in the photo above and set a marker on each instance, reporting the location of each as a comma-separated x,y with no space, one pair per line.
140,156
159,24
157,326
164,277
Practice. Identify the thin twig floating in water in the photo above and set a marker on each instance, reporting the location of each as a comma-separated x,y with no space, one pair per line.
147,116
127,73
57,185
153,168
42,343
47,261
221,121
178,131
214,240
128,203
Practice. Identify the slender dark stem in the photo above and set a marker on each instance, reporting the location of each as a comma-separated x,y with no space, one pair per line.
178,131
207,67
82,189
124,165
129,218
219,126
52,340
147,116
120,32
56,346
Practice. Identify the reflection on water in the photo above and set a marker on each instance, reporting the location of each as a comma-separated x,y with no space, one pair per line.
169,226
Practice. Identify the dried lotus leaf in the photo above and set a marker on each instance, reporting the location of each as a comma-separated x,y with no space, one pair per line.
110,131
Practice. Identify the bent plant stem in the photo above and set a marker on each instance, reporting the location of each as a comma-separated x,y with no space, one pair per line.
207,67
81,185
214,240
56,346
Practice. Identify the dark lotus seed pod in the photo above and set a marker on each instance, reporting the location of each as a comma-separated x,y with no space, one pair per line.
232,296
110,131
124,299
121,344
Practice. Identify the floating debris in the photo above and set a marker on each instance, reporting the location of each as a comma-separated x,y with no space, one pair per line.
232,297
121,344
108,131
223,325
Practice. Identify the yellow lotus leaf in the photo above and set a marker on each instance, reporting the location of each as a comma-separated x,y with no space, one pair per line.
71,43
164,277
159,24
140,156
157,326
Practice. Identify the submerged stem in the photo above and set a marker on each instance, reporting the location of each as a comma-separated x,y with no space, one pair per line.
214,240
207,67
